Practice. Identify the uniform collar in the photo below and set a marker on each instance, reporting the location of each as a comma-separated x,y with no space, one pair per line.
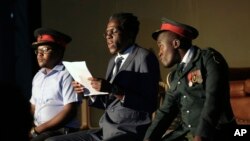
188,56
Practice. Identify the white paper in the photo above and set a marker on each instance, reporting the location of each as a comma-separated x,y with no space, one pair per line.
81,73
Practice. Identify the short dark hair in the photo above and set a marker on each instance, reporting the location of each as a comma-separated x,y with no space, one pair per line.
128,22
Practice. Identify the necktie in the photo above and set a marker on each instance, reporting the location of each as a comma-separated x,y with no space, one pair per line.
180,68
118,63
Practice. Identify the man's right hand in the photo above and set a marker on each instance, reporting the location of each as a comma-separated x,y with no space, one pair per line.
79,88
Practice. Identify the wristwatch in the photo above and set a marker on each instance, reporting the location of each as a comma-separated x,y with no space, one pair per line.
33,132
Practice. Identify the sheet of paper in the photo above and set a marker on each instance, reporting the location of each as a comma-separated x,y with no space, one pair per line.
81,73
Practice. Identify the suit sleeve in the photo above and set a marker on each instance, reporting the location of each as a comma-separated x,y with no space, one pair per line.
99,102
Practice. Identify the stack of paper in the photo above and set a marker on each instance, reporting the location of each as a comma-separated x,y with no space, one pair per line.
81,73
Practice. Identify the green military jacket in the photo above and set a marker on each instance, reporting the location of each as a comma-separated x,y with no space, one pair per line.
200,95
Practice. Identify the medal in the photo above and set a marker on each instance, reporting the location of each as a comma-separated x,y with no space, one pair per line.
190,83
194,77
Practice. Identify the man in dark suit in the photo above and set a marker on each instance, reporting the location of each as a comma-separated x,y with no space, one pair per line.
132,86
199,89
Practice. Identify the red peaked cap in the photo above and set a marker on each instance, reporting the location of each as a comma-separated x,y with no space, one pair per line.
183,30
48,36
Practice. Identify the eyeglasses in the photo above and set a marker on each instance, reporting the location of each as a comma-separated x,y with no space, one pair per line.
111,32
43,50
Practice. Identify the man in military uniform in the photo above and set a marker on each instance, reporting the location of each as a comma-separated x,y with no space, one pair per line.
199,88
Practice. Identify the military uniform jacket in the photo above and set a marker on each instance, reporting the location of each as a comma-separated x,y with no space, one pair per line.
200,94
138,77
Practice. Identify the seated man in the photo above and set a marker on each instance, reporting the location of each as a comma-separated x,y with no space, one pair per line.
54,102
132,85
198,89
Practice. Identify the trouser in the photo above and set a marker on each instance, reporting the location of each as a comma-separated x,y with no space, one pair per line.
62,131
93,135
224,133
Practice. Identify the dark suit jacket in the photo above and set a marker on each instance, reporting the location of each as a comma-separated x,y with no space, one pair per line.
138,77
200,94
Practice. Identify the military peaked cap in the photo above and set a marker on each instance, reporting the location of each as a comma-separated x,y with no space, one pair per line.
48,36
181,29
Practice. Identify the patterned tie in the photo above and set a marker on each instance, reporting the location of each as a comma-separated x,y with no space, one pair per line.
118,63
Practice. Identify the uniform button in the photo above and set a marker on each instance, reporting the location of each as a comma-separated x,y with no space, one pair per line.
179,82
187,111
112,110
184,96
189,126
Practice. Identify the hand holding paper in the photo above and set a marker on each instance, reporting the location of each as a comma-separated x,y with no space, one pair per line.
80,73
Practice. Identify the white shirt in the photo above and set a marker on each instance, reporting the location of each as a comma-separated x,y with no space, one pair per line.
124,56
50,92
188,56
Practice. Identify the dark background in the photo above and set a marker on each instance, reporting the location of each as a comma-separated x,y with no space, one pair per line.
18,19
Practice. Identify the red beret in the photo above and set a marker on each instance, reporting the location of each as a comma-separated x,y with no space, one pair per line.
48,36
181,29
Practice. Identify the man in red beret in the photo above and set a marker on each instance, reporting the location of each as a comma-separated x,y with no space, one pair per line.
198,89
54,102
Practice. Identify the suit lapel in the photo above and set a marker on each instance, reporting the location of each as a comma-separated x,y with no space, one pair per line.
129,59
110,68
123,67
